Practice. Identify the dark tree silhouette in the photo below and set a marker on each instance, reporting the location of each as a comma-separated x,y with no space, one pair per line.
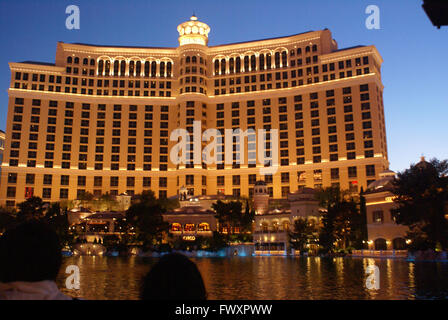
302,234
422,196
145,214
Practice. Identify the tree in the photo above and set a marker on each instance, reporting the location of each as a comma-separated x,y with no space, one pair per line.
8,219
248,218
145,214
342,222
229,215
32,208
303,233
363,221
57,219
421,197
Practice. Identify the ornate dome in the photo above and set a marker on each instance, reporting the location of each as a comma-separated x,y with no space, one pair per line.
193,32
423,164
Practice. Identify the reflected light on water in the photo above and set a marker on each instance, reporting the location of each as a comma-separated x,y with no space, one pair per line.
277,278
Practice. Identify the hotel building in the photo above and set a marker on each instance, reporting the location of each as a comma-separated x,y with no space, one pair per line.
99,119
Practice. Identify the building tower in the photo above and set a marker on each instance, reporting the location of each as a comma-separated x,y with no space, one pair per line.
192,107
261,197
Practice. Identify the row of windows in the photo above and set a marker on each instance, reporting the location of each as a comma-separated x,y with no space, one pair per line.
30,178
99,82
63,193
99,92
286,84
85,61
249,63
135,68
114,181
193,59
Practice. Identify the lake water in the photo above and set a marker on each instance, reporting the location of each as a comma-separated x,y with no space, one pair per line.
276,278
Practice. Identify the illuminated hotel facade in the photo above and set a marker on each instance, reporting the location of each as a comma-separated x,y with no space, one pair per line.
99,120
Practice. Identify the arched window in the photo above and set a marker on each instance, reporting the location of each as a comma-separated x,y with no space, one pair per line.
194,59
69,60
168,69
85,61
187,59
204,226
116,67
146,68
268,61
232,65
253,63
216,66
107,68
131,68
238,65
123,68
223,66
314,48
92,62
261,61
277,59
175,227
153,69
189,227
76,60
100,67
284,59
162,69
380,244
138,68
246,64
307,49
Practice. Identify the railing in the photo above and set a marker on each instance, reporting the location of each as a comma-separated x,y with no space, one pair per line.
380,253
270,252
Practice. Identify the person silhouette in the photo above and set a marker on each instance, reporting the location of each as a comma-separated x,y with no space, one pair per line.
31,257
173,277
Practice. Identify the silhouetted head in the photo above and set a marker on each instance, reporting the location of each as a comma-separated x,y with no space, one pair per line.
173,277
30,252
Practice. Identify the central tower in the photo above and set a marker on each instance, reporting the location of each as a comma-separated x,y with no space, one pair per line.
192,102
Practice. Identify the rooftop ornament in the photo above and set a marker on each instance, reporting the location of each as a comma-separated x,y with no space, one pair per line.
193,32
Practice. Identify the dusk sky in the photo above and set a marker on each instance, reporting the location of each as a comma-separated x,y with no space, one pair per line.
415,53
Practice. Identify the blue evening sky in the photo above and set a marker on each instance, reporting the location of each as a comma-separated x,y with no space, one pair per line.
415,52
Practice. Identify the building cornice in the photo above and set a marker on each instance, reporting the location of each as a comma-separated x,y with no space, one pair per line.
30,67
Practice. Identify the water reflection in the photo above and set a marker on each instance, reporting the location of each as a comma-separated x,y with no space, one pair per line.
278,278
